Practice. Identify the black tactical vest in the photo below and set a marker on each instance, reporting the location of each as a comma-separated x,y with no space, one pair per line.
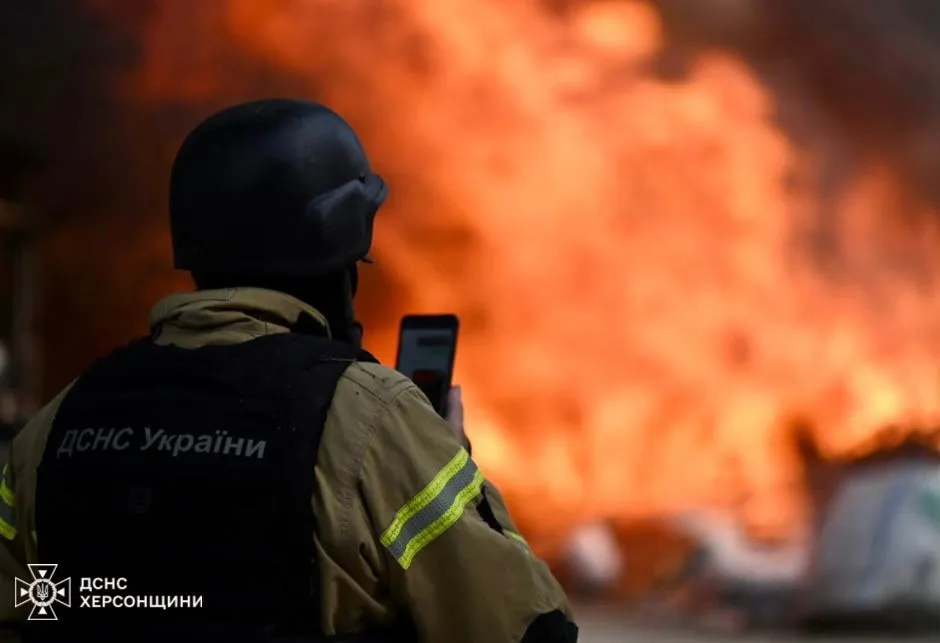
183,478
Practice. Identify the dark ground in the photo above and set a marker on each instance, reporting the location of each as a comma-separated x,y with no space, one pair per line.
609,625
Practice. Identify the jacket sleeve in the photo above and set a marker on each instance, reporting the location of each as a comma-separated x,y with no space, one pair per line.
454,561
17,517
12,554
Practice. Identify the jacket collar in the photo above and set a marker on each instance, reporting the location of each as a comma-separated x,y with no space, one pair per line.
230,315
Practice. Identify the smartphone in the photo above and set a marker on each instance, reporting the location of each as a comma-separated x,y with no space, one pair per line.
427,348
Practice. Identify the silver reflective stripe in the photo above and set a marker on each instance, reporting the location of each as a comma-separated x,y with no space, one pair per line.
442,504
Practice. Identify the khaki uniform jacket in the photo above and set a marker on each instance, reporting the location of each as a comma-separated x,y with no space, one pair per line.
385,454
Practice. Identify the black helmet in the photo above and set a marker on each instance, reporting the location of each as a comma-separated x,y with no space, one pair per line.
273,188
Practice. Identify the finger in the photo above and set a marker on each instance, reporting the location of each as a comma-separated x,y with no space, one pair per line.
455,408
455,400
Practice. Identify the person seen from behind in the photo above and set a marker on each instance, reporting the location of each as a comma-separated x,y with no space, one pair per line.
248,472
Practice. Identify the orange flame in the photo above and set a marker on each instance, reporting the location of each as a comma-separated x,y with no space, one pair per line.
646,301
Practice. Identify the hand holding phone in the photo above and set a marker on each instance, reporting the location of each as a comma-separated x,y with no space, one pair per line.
427,348
455,415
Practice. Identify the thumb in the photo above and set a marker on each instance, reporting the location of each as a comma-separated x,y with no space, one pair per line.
455,409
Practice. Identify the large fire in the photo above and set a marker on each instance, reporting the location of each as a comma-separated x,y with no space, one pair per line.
655,281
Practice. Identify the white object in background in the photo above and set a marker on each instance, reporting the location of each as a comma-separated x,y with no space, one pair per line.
879,544
593,556
732,557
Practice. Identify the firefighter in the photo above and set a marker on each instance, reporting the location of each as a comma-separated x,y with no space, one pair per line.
248,472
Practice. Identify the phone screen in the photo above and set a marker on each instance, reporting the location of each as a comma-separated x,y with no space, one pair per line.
426,351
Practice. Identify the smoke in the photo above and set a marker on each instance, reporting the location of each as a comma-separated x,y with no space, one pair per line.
876,67
872,67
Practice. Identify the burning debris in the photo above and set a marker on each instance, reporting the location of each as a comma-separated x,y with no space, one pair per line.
698,566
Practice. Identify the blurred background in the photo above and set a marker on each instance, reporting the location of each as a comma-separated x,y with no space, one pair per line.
694,244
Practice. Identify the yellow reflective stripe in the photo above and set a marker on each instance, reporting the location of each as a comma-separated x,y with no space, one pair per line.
7,495
423,499
444,522
7,520
434,510
517,537
6,490
7,507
